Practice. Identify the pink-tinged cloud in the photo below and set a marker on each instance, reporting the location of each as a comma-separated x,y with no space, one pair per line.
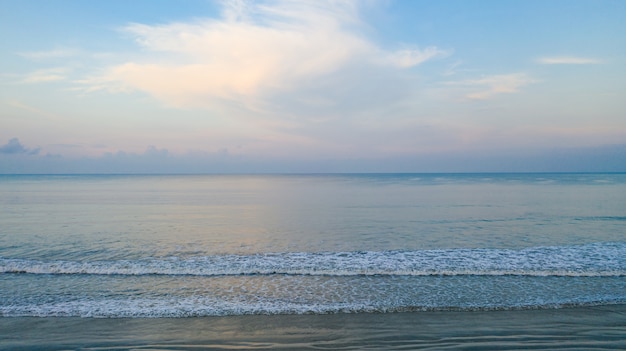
235,58
568,60
488,87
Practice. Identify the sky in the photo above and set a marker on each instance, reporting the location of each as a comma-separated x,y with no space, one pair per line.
199,86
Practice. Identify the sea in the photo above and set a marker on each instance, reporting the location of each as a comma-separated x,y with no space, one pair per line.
300,250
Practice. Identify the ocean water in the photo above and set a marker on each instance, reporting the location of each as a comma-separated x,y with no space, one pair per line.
154,246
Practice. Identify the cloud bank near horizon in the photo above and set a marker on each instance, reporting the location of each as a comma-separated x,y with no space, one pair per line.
14,147
16,158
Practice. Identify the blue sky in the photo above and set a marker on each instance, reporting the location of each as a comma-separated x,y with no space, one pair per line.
312,86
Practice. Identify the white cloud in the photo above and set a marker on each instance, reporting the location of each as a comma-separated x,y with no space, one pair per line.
490,86
568,60
255,51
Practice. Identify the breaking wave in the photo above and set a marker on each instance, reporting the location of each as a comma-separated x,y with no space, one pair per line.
599,259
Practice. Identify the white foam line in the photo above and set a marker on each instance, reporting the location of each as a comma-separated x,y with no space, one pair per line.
183,308
593,260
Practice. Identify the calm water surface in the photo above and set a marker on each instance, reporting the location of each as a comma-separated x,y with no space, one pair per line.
229,245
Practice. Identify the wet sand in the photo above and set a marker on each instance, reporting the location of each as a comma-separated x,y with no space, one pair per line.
579,328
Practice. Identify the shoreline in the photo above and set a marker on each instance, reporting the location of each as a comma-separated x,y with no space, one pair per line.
600,327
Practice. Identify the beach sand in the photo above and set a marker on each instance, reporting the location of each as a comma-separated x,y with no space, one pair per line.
579,328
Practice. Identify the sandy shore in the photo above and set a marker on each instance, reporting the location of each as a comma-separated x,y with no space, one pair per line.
598,328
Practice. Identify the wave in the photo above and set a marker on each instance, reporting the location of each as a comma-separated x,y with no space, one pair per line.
184,308
599,259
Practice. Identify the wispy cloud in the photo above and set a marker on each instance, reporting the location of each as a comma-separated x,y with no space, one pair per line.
568,60
50,54
45,75
413,57
490,86
35,111
452,69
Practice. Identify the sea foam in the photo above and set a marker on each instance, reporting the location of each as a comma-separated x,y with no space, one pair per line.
599,259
